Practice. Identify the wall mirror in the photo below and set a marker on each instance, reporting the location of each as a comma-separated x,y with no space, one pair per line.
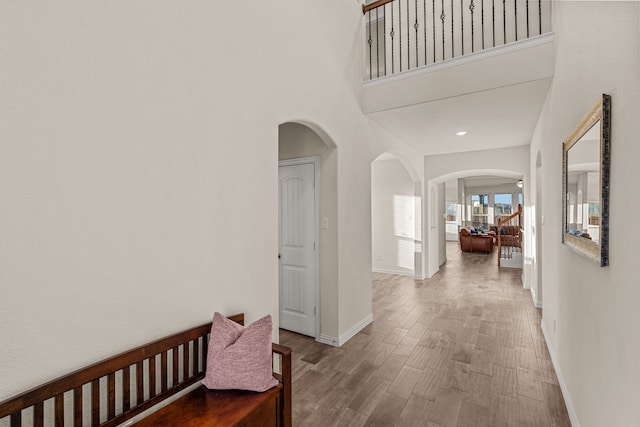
585,179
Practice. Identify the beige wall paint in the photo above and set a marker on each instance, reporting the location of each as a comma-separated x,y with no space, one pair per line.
596,341
138,173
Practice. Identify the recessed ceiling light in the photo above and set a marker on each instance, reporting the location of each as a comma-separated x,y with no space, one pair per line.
461,133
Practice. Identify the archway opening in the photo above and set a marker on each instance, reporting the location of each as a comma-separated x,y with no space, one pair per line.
478,199
396,218
304,143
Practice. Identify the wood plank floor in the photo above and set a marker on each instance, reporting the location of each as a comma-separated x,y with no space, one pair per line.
463,348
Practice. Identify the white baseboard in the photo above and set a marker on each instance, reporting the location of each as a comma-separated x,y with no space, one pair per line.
408,273
536,303
573,417
523,278
515,262
338,342
325,339
526,273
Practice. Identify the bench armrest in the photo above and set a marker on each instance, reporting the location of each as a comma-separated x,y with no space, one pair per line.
285,379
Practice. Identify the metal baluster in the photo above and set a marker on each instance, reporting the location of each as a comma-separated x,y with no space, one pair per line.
424,24
493,20
408,40
442,17
452,46
515,16
377,44
392,34
384,33
416,26
527,18
433,19
504,21
462,25
400,33
471,7
370,41
482,13
539,16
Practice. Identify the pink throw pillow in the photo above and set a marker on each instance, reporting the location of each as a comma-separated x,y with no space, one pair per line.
240,358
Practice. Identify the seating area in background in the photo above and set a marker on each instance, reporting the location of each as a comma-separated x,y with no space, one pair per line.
509,234
479,240
476,240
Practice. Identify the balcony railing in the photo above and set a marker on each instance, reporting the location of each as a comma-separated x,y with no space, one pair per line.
403,35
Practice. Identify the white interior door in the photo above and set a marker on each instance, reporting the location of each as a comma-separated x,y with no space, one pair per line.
297,248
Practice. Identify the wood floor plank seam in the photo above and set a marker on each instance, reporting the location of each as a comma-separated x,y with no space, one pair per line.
463,348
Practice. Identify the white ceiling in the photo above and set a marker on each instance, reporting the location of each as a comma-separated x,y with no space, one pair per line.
495,95
495,118
488,181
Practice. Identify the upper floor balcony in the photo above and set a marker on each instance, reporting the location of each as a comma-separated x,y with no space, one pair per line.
404,35
434,67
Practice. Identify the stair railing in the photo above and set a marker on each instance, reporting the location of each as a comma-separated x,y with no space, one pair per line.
506,221
406,34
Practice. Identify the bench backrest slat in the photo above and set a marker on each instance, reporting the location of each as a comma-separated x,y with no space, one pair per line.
77,407
95,403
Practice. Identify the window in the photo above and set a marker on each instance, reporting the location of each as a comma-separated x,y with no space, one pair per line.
503,206
480,204
451,211
594,213
480,210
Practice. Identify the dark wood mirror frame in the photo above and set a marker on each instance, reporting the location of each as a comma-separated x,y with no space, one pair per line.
595,251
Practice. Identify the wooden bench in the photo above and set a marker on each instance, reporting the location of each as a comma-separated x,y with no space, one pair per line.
110,392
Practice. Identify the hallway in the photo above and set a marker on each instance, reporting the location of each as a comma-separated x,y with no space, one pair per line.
463,348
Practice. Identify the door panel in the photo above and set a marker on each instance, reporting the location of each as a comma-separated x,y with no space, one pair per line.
297,248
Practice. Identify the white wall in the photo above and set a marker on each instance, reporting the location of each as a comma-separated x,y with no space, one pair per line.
138,176
451,196
392,218
413,161
296,141
596,339
442,224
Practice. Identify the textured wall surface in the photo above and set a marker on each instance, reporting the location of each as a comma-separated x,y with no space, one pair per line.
138,175
596,339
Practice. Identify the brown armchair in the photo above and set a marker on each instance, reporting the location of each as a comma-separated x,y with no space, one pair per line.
475,242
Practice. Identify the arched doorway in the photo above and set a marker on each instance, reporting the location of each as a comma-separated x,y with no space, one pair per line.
305,144
395,216
487,188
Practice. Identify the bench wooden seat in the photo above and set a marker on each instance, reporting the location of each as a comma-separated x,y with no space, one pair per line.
110,392
206,408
